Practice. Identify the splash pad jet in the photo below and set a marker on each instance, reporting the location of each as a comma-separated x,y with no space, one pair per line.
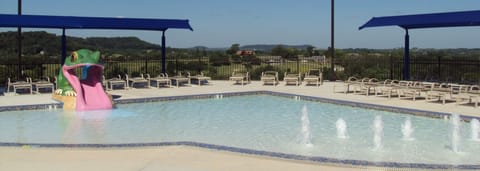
85,93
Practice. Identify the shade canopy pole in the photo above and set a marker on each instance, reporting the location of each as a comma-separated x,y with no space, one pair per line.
64,46
163,52
19,41
406,60
332,42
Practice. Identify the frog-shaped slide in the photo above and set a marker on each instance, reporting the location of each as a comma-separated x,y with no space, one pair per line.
86,92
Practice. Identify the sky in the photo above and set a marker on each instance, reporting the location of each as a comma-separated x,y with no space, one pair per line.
221,23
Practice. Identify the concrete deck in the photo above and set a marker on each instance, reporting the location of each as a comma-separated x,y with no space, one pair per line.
189,158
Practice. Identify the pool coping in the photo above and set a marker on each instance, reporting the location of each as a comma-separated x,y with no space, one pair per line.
315,159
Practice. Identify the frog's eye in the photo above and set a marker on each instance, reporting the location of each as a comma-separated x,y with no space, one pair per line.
74,57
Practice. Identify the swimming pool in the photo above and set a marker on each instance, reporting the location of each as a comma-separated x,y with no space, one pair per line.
258,122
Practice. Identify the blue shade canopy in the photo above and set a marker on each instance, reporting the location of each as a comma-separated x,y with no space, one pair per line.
448,19
69,22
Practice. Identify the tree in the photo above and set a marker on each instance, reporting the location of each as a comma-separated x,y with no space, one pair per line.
286,53
250,59
279,50
338,53
310,50
233,49
219,59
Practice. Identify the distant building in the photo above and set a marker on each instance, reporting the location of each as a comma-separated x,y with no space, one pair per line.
271,60
316,58
245,53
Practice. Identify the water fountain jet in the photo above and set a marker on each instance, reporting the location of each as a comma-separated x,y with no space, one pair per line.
305,130
378,133
455,132
341,128
475,125
407,129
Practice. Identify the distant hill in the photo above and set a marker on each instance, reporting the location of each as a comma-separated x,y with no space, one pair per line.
50,44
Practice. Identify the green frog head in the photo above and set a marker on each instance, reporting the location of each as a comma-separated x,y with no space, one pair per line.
83,58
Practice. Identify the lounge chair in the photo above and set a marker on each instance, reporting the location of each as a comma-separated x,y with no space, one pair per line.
314,76
240,77
411,89
388,88
472,95
291,78
181,79
137,80
439,93
43,83
356,84
366,86
347,84
19,85
114,82
200,78
269,77
161,79
456,92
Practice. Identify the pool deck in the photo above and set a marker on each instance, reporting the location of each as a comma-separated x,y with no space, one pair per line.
184,158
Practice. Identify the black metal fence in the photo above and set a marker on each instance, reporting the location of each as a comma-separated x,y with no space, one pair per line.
464,70
459,70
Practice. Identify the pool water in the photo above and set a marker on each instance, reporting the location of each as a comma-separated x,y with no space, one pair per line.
259,122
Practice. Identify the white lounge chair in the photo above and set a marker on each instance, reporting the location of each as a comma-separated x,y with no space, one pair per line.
15,85
472,95
366,86
269,77
114,82
346,85
291,78
388,88
137,80
240,77
313,76
43,83
161,79
200,78
181,79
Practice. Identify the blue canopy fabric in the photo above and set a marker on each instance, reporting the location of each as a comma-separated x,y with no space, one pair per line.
448,19
71,22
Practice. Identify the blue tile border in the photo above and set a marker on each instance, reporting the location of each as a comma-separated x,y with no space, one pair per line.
315,159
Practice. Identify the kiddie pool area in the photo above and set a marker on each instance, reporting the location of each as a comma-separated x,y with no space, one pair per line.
263,123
